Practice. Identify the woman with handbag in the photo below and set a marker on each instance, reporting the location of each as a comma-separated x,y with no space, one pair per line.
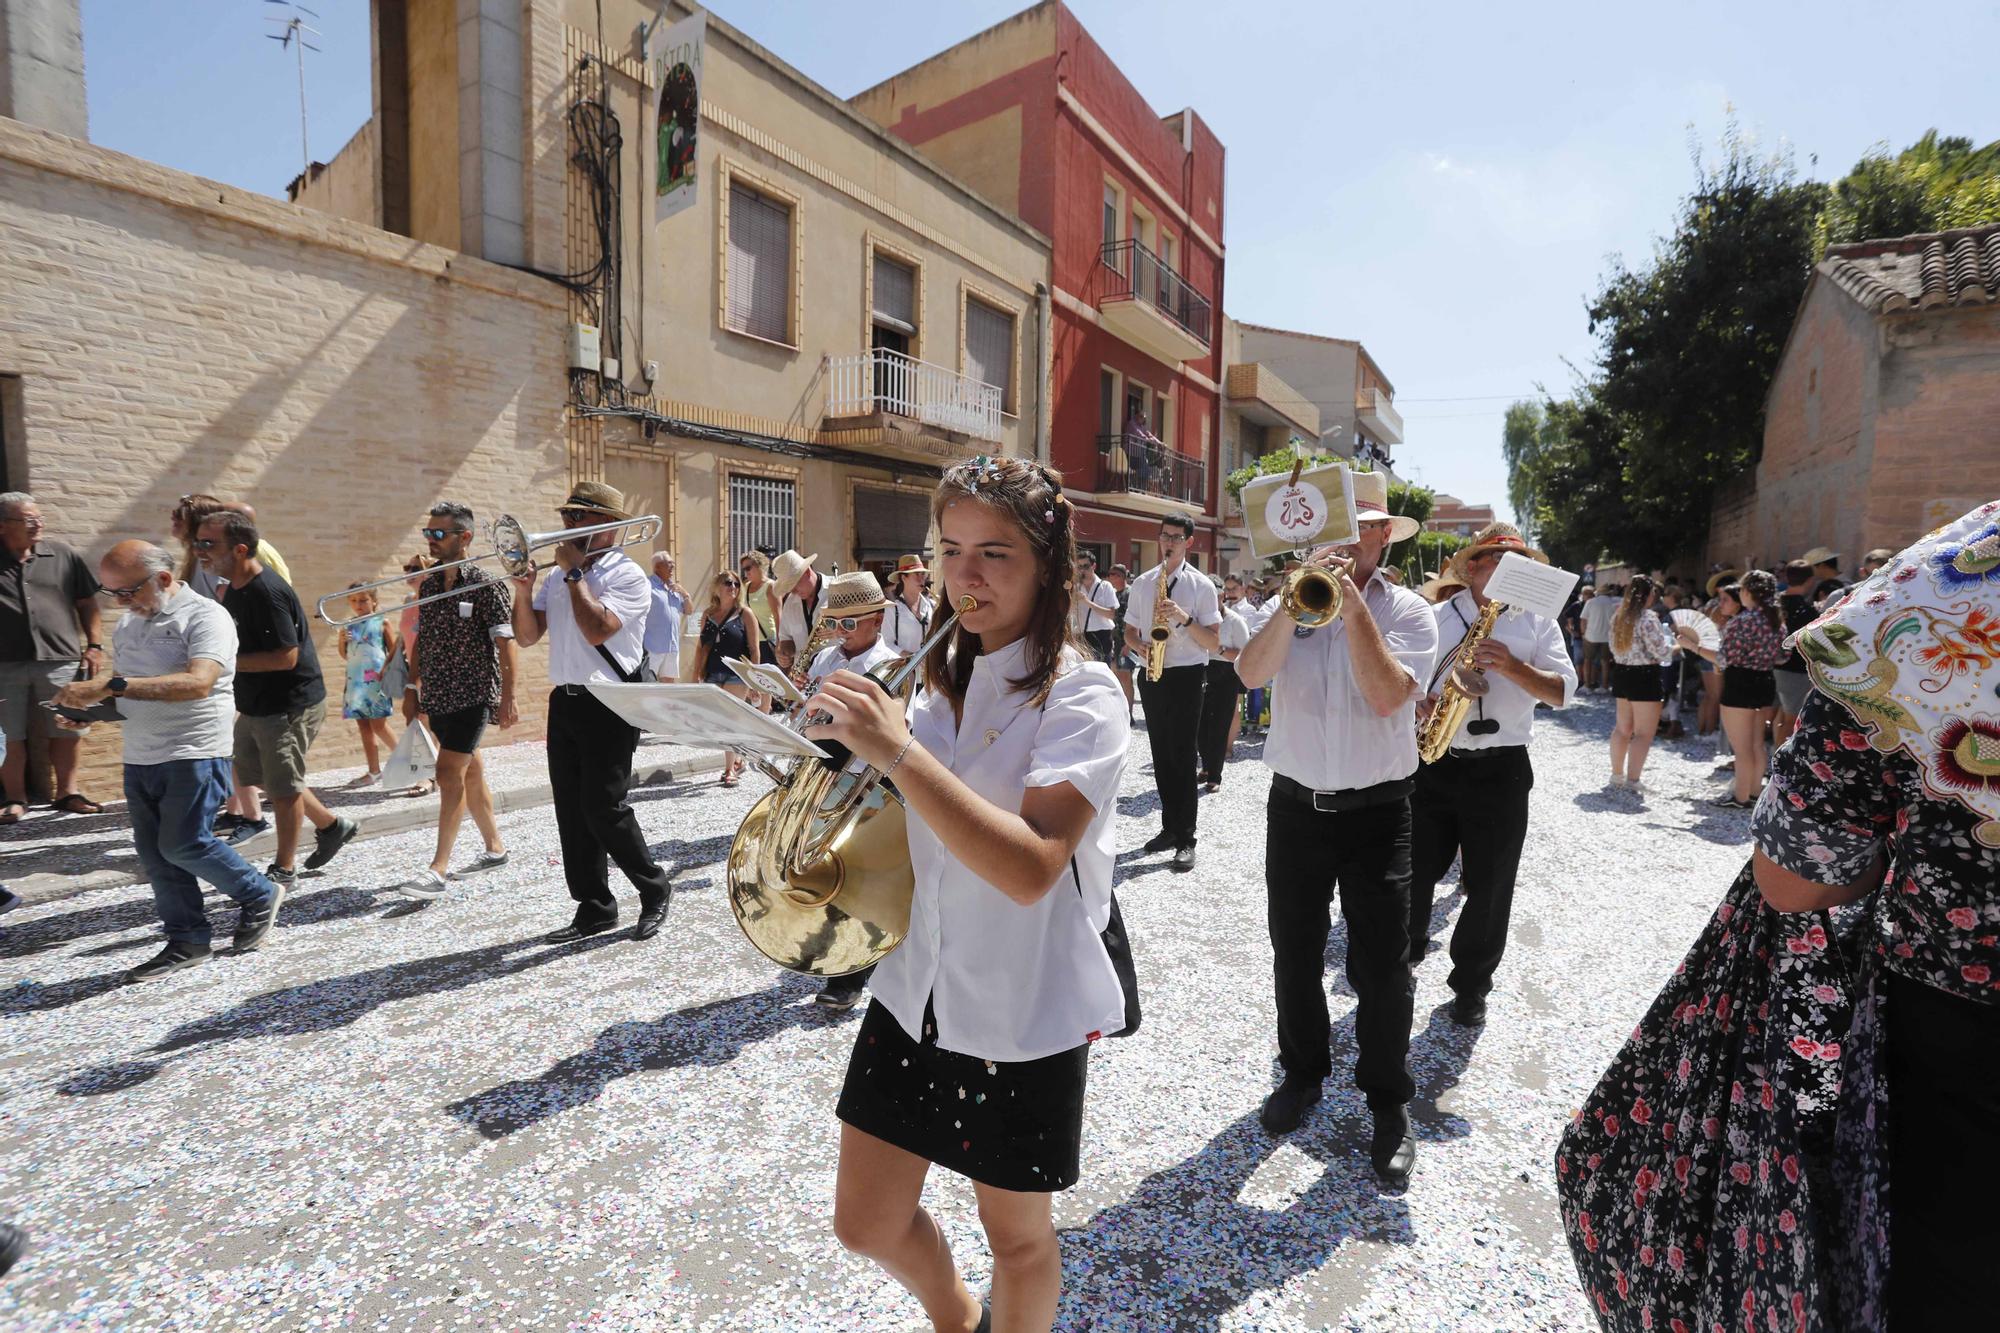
972,1054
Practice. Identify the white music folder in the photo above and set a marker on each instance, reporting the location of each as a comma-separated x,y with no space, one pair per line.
704,716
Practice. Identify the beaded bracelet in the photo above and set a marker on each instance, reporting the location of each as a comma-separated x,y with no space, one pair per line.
899,757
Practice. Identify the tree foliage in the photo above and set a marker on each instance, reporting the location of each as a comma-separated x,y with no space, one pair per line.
1935,184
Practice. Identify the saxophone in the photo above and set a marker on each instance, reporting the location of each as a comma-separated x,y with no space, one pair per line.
1464,683
822,632
1156,646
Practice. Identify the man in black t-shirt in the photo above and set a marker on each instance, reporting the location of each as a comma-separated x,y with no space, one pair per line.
1796,610
280,697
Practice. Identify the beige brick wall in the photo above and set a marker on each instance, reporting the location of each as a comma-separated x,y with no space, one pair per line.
175,335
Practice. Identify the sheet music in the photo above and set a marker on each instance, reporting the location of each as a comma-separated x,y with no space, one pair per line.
705,716
1530,585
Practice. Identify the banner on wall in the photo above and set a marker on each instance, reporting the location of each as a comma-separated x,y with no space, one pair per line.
676,62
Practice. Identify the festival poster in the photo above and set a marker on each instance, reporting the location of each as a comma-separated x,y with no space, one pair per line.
677,76
1285,514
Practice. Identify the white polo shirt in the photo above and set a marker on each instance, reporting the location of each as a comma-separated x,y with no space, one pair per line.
1324,735
187,626
1533,639
834,658
625,591
1007,981
1193,593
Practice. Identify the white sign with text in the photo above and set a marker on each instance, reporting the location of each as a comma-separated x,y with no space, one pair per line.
1530,585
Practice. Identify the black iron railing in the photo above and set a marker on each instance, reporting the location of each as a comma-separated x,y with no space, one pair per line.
1142,465
1137,274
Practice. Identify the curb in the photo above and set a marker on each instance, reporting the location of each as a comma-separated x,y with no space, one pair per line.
51,887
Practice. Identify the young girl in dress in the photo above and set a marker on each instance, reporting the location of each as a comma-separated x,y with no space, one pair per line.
367,645
972,1053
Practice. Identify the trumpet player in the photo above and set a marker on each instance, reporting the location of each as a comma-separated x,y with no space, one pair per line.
1473,802
972,1054
1343,751
1182,601
592,610
853,608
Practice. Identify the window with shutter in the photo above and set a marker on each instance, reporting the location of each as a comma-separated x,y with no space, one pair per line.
760,266
895,294
989,349
763,511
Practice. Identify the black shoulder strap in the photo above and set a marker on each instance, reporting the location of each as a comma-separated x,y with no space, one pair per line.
629,677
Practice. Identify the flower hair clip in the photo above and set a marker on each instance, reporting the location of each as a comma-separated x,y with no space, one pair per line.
985,468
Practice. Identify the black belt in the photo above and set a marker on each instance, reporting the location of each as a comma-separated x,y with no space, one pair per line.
572,690
1485,753
1347,798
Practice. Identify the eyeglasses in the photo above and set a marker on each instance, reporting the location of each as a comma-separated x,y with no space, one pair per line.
575,515
124,594
439,534
26,522
206,543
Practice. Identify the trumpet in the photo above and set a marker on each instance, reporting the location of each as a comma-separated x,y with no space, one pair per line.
513,546
1311,596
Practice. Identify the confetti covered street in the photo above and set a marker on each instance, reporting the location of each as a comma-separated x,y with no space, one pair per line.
402,1117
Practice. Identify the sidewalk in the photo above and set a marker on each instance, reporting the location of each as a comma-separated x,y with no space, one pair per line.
48,855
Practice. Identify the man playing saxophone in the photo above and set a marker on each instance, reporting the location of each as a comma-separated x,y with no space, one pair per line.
1342,749
1473,800
1177,599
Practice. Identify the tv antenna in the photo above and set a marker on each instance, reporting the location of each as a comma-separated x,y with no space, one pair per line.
296,34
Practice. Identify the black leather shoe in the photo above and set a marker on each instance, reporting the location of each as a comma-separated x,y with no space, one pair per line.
576,930
1183,859
1393,1149
1288,1103
13,1244
651,918
1468,1011
1159,842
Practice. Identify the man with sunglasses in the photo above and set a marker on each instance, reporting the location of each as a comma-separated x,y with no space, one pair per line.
853,605
592,609
464,677
176,654
49,632
1473,802
280,696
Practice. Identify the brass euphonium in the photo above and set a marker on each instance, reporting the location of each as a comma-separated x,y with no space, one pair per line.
819,873
1464,683
1311,596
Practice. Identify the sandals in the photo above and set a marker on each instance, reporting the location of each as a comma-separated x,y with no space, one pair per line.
76,803
727,780
11,812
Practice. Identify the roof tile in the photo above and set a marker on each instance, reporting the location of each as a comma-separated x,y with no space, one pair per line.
1943,270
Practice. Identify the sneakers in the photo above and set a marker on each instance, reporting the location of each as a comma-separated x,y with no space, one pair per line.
329,840
243,830
484,861
1728,801
170,959
254,923
288,878
9,900
425,885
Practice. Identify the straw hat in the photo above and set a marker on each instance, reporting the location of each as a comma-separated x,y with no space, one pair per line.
1881,555
1819,555
910,564
597,498
1716,580
852,594
1371,502
1494,537
787,568
1440,586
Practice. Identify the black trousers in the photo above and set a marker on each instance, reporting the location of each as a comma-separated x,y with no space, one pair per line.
1173,725
590,766
1366,854
1477,806
1218,708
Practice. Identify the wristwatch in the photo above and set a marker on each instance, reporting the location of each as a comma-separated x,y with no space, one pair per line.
117,686
574,576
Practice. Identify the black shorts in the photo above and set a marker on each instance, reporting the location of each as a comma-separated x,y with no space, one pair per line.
1638,684
459,732
1104,643
1746,687
1022,1129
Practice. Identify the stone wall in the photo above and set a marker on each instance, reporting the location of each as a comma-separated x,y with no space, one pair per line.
169,334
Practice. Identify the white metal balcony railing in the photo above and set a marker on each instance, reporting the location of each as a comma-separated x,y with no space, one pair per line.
880,380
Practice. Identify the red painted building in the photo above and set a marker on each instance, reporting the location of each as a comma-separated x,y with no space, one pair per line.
1033,114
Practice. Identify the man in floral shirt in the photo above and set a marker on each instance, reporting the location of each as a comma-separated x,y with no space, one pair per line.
463,671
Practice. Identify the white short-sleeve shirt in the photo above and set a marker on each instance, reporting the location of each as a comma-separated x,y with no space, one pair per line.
1193,593
902,627
1324,734
625,591
187,626
1233,632
1533,639
1094,611
1007,981
834,658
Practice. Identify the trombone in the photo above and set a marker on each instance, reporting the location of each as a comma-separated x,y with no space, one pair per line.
513,546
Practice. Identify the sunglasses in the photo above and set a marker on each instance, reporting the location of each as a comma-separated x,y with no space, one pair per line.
206,543
576,515
124,594
846,624
439,534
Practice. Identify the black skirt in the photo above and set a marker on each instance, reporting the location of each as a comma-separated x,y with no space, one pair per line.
1639,684
1747,687
1012,1125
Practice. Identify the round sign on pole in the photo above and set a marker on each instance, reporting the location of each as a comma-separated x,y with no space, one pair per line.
1296,511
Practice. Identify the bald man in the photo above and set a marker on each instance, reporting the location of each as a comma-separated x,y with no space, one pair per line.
174,652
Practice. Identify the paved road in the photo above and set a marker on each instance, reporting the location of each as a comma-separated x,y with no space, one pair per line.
429,1119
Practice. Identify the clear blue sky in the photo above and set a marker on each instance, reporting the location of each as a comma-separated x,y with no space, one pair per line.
1443,181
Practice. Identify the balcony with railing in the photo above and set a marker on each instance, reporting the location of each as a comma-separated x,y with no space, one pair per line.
1140,467
1143,301
880,384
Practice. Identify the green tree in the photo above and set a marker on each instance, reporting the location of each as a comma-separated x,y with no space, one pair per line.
1935,184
